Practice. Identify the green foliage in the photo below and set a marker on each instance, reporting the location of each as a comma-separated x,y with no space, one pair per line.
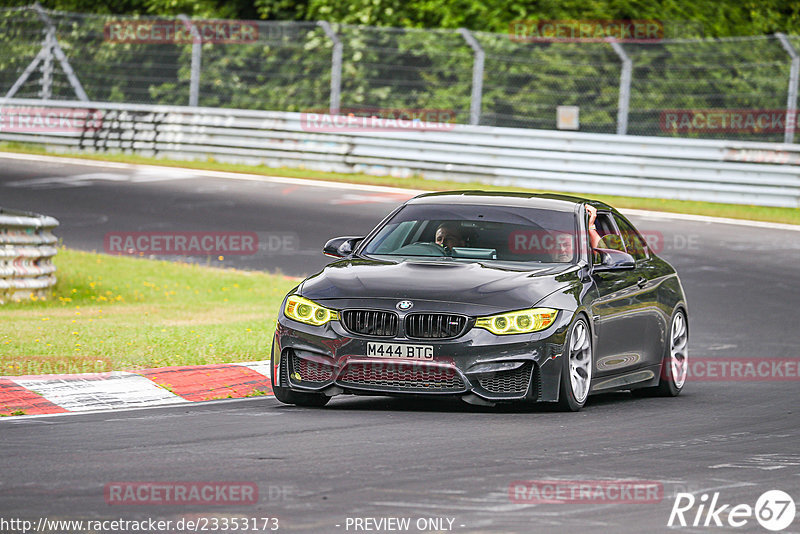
288,68
718,18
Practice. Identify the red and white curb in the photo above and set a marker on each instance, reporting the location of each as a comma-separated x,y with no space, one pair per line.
49,394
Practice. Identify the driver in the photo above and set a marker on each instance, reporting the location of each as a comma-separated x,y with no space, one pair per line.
448,235
562,251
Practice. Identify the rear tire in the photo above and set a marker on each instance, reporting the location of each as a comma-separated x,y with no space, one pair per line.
577,366
675,364
287,396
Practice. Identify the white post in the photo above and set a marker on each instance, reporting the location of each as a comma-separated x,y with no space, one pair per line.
197,47
624,88
477,76
336,66
791,100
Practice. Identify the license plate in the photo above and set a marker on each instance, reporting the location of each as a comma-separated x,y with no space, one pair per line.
399,350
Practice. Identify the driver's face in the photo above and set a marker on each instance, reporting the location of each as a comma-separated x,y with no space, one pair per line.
563,248
448,238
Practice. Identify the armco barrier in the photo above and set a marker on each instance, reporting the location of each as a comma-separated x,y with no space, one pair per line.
27,247
765,174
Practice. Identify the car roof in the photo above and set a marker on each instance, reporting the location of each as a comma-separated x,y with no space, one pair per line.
549,201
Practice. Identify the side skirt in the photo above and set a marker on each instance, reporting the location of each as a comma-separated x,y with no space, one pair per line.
640,378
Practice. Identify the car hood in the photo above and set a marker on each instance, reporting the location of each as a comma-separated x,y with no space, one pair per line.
482,286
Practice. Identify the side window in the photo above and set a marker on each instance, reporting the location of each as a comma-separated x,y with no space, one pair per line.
609,237
633,241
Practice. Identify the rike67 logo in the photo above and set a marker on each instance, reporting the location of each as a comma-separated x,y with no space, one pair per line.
774,510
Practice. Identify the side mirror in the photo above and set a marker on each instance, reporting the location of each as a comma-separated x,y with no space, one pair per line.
613,260
339,247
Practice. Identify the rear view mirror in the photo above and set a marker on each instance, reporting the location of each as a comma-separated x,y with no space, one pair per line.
339,247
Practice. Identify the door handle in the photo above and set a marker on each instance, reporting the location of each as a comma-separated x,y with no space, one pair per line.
642,281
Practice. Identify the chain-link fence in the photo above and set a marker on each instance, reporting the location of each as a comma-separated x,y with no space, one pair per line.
676,87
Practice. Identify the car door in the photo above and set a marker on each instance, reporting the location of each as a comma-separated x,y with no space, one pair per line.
649,277
620,312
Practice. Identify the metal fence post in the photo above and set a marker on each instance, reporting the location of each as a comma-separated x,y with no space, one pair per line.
47,65
791,100
197,49
50,48
477,76
624,88
26,74
336,66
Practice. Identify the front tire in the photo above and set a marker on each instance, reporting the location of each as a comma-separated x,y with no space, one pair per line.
577,365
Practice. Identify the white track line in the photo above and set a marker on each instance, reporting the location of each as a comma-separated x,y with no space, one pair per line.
213,174
358,187
707,219
23,418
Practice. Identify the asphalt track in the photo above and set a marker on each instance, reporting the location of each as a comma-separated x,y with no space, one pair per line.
320,469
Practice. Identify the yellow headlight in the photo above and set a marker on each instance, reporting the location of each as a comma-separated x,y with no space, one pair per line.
518,322
308,312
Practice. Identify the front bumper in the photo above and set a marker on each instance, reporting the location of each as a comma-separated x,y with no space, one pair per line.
333,361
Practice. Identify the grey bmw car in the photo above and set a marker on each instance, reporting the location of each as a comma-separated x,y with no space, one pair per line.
490,297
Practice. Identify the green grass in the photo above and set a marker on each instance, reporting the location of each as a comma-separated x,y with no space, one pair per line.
115,313
733,211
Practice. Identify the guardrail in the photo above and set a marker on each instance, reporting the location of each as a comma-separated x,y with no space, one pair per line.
689,169
27,247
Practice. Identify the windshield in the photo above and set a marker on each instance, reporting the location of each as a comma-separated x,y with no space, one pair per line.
477,233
